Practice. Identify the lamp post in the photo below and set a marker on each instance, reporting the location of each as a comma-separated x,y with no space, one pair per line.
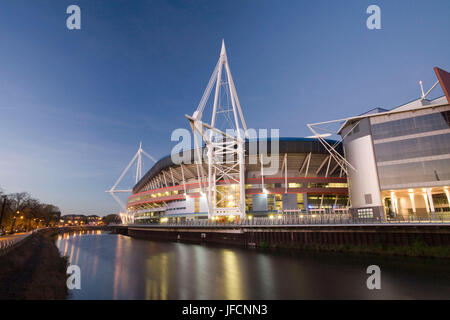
4,202
14,221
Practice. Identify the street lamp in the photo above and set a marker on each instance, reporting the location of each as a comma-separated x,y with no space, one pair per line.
14,221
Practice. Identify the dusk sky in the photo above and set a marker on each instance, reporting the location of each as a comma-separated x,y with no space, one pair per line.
74,104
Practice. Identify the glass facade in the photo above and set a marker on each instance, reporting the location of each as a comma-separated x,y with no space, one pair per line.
148,217
419,124
302,201
414,173
413,148
409,165
152,196
326,201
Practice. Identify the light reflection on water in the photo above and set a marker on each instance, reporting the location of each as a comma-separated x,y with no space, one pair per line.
232,275
120,267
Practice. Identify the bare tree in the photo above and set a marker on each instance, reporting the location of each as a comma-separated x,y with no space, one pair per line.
20,202
20,209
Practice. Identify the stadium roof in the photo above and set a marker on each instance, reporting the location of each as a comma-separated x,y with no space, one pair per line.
286,145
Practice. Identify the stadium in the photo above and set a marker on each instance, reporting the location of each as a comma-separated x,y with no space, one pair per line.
236,173
307,181
396,162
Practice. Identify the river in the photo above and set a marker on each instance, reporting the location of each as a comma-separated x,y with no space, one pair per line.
119,267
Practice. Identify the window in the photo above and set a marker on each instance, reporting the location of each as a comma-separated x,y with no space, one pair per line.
300,204
368,198
197,205
337,185
419,124
413,173
413,148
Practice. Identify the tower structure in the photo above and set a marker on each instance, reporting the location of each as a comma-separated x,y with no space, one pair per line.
137,160
223,183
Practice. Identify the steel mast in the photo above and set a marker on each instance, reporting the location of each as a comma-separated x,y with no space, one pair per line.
137,158
225,151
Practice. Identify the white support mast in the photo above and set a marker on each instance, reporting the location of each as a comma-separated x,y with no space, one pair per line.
137,158
334,154
225,152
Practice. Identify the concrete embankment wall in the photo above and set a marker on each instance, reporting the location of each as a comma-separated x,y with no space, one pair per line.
297,236
34,269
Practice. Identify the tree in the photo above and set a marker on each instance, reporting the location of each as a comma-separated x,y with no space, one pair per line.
21,211
21,201
111,218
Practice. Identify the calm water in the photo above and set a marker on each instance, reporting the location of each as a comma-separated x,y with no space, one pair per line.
119,267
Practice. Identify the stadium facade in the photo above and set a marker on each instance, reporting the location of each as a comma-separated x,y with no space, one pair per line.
306,181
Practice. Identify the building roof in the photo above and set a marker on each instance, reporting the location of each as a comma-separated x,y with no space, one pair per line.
374,111
286,145
420,103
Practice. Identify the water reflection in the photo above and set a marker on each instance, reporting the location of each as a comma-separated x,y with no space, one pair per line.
232,275
183,259
119,267
263,265
157,289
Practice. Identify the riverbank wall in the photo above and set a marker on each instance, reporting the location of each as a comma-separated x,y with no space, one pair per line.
402,239
34,269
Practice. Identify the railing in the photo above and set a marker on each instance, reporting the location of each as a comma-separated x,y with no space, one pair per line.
322,219
7,243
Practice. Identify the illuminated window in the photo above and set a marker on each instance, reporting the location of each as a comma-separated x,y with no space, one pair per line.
300,204
337,185
279,202
197,205
271,202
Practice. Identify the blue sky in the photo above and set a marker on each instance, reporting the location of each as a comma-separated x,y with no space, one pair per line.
75,104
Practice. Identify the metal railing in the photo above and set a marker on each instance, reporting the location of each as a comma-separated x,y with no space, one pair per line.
322,219
7,243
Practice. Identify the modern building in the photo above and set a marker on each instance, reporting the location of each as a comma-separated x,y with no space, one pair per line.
401,159
305,180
